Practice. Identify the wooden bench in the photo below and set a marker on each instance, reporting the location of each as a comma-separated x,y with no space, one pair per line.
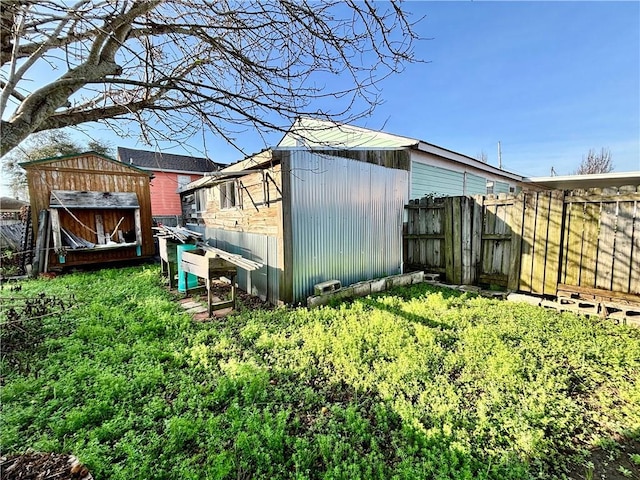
209,268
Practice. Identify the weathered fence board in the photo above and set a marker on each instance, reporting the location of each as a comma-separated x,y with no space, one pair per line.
553,243
533,242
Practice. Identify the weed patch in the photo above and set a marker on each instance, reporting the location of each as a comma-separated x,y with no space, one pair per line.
414,383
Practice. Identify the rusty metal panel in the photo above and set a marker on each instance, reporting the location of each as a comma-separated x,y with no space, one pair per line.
346,220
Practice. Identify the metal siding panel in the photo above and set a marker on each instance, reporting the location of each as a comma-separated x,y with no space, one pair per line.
430,180
346,220
263,282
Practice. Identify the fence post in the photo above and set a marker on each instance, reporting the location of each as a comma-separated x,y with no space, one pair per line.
448,238
466,236
516,222
476,240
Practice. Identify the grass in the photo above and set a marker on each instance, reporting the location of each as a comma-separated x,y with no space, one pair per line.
415,383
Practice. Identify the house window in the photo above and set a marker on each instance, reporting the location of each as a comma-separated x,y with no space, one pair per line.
229,195
183,180
490,188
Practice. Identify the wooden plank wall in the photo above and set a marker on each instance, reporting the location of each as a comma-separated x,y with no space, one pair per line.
425,234
601,249
91,173
583,241
260,204
540,242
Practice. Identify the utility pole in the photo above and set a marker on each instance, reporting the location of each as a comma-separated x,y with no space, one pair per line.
499,156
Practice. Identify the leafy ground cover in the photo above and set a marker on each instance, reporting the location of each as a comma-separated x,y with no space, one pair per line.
414,383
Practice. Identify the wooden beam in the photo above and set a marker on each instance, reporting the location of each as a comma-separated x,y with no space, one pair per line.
94,200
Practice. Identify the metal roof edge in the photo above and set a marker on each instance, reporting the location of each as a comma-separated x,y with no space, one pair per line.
90,152
595,180
465,159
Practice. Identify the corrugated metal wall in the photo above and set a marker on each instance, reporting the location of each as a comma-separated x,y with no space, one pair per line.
346,220
263,282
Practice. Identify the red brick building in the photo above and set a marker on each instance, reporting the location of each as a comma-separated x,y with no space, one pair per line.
170,172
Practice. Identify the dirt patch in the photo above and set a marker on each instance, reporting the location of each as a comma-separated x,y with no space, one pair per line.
41,466
615,463
222,290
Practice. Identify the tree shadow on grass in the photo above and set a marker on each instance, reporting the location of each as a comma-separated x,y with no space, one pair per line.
414,291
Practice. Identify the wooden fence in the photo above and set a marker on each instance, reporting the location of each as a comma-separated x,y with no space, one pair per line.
586,242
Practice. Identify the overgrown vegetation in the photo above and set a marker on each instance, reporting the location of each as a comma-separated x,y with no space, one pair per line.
415,383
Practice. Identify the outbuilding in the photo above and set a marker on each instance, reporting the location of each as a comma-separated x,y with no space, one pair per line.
308,217
89,208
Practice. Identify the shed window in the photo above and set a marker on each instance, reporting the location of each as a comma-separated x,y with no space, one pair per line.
229,195
183,180
201,199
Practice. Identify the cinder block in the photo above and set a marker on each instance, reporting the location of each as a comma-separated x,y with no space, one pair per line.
469,288
318,300
398,280
417,277
494,294
379,285
361,289
550,304
519,297
329,286
431,277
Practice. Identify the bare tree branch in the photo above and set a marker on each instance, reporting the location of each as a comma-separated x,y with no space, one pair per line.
182,64
596,162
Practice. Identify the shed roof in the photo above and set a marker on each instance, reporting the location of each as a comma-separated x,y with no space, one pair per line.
28,165
8,204
314,133
160,161
246,166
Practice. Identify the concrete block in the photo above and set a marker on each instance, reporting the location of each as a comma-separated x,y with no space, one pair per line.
469,288
519,297
379,285
431,277
417,277
361,289
494,294
317,300
549,304
329,286
398,280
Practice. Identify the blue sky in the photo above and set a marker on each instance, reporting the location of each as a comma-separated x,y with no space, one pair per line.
549,80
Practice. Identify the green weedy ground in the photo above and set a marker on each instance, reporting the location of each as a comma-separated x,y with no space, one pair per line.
415,383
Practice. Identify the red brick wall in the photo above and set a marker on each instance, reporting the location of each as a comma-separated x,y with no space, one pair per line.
165,199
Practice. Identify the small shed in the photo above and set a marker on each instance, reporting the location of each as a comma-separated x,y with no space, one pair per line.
306,216
10,209
99,209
